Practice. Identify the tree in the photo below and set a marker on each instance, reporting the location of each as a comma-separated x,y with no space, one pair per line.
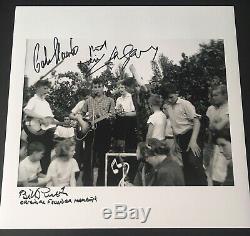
109,79
85,70
195,74
120,73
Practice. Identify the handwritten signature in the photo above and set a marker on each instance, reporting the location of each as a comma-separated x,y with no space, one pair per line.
128,52
57,56
44,192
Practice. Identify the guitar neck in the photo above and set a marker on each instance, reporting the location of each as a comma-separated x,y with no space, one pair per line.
104,117
100,119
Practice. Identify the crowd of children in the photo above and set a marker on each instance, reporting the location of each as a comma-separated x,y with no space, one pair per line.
171,153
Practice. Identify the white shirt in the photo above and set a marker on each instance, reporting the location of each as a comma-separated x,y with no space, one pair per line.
126,102
218,162
28,170
40,106
159,122
216,114
64,132
62,171
181,115
78,107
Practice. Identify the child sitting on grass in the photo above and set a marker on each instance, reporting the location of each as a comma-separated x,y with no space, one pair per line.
62,169
29,171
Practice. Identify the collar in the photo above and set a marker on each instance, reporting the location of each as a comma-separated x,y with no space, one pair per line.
178,100
159,111
221,106
99,98
40,98
126,95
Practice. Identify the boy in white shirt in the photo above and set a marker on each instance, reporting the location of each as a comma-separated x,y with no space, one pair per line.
65,131
29,171
186,128
38,108
125,123
175,151
157,121
218,120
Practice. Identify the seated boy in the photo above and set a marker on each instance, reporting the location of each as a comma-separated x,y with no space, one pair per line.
65,131
30,168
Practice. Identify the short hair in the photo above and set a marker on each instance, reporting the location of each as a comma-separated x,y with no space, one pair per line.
158,147
98,80
145,151
35,147
224,133
41,83
66,116
155,147
62,148
155,100
166,90
222,87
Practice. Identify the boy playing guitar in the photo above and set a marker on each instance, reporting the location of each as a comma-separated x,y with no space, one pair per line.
98,141
39,112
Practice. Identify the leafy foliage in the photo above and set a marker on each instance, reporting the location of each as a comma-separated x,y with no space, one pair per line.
193,76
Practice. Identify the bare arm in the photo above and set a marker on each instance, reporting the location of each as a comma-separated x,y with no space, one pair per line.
72,116
193,140
72,180
150,131
136,76
43,182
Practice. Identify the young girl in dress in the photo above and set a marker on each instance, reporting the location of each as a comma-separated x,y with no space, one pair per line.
63,168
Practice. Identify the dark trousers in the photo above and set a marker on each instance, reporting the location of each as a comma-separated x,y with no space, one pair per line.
125,129
97,144
79,154
47,140
194,173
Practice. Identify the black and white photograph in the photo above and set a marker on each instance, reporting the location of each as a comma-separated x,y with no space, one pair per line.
87,108
124,117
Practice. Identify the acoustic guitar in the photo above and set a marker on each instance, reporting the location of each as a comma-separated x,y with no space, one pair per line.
82,130
38,127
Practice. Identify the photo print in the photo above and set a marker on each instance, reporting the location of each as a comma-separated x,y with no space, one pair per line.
165,105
